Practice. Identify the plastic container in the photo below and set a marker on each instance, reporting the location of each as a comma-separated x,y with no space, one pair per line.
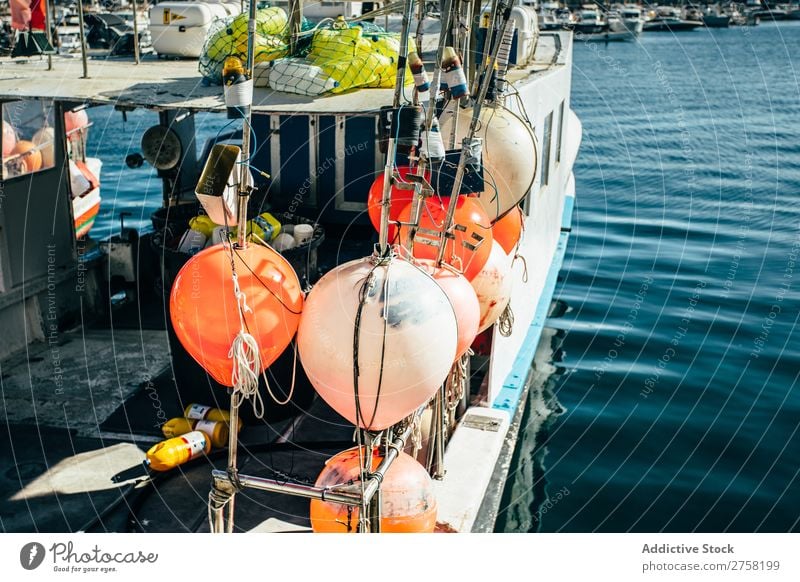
283,242
202,412
176,451
303,233
216,431
179,29
192,242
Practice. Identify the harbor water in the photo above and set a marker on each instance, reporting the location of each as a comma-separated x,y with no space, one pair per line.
675,402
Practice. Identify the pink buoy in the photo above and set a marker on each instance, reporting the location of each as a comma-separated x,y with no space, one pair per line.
493,286
463,299
74,120
9,139
389,321
408,502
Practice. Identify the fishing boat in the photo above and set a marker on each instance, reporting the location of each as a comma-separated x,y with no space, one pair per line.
590,21
632,18
358,267
716,17
668,19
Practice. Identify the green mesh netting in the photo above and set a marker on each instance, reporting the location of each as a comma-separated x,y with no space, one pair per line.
228,37
330,58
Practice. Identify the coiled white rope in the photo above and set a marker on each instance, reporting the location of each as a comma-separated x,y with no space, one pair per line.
246,357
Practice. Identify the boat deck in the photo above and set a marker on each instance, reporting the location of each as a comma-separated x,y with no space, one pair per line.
177,84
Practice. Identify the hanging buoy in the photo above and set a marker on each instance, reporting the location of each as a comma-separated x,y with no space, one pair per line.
399,199
408,502
493,286
205,312
44,139
75,120
509,155
463,299
377,340
453,73
9,139
432,144
418,71
469,250
31,158
508,230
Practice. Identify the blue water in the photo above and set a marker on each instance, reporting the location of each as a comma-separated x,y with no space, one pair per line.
679,352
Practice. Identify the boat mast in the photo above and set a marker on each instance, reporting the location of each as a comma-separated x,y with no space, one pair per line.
391,149
295,23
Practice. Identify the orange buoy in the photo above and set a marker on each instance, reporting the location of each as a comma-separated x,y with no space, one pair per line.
392,323
31,156
408,503
463,299
508,230
9,139
474,230
205,312
399,199
493,286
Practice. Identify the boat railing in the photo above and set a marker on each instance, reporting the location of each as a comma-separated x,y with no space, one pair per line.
366,494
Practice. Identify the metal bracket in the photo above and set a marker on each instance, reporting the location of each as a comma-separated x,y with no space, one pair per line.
478,422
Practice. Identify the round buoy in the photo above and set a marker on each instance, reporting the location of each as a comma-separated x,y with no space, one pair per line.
474,230
493,286
31,157
509,155
508,230
75,120
377,340
9,139
463,299
45,139
205,312
399,200
408,503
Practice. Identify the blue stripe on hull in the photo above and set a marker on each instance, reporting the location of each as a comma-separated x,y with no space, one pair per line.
508,397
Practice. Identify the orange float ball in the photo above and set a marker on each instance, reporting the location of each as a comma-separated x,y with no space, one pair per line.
508,230
9,139
470,215
32,158
399,200
463,299
408,503
205,313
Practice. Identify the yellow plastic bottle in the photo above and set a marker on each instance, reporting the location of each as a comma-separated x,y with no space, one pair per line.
203,412
169,454
216,431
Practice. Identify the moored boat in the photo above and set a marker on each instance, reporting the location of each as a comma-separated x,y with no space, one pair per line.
668,19
323,152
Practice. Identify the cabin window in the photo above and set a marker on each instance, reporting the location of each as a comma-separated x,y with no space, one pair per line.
560,133
546,139
28,137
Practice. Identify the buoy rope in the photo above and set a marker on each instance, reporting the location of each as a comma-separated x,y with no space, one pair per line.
524,265
362,298
246,357
288,398
264,285
505,324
